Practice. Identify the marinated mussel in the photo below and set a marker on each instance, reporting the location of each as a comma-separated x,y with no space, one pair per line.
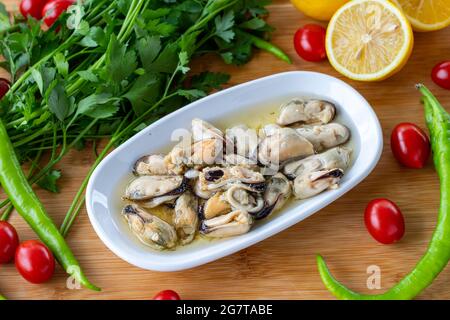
151,191
338,157
311,184
150,229
306,112
277,193
325,136
186,217
231,224
279,145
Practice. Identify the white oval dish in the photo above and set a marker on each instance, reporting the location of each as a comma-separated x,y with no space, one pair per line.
102,191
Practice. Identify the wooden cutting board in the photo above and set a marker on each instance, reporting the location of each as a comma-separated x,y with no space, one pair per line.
281,267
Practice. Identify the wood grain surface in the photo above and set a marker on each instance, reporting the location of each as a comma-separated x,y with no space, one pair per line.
281,267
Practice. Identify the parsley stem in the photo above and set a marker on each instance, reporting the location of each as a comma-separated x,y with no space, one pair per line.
130,18
36,134
7,212
36,114
72,218
88,137
4,203
80,53
93,12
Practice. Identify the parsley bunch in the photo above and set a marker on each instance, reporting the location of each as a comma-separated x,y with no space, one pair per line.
107,69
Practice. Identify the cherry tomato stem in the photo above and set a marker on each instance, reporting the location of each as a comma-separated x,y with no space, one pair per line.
309,42
384,221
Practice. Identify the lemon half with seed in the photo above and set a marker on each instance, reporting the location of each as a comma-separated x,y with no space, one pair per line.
426,15
369,40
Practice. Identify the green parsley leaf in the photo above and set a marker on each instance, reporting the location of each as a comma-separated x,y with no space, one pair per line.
156,13
48,181
207,81
190,6
257,7
160,28
58,102
61,64
108,127
98,106
191,94
227,57
95,37
48,75
88,75
224,25
88,42
120,62
167,60
187,42
253,24
83,28
144,93
148,49
184,61
38,79
238,52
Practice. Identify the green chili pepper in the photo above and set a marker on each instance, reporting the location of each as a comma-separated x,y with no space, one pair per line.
267,46
438,253
27,204
2,297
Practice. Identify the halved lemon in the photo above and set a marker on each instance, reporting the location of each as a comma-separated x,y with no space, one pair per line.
426,15
369,40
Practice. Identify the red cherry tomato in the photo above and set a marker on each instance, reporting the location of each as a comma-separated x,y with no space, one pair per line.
4,87
309,42
167,295
410,145
441,74
34,261
53,9
384,221
32,8
9,240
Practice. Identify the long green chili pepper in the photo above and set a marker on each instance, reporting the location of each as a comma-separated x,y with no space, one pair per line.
267,46
438,253
27,204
